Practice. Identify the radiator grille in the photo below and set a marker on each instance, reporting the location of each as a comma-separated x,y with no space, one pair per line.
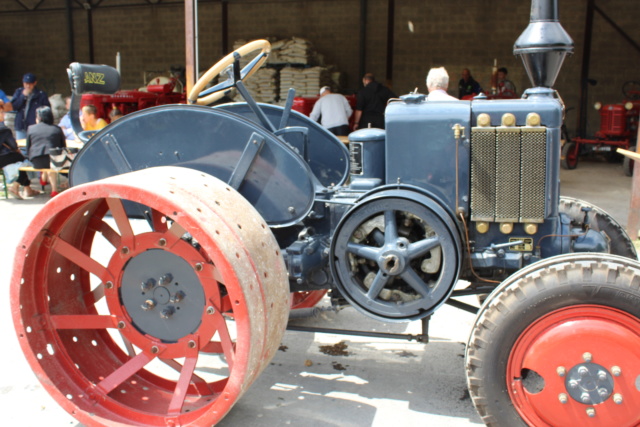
483,166
508,174
533,174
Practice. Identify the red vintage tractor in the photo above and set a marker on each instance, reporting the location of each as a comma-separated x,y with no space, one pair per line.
159,91
618,129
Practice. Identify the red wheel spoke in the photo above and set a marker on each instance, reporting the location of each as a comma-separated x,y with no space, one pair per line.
159,221
213,347
225,304
174,234
128,346
106,230
125,371
81,259
228,346
96,295
200,384
180,392
120,216
82,321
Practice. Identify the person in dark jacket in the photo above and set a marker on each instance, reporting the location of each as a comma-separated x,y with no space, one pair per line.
26,101
9,154
467,85
41,137
371,103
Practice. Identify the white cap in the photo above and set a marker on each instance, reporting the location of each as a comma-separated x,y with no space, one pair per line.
324,89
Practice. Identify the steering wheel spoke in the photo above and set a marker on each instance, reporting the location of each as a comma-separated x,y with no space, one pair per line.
198,95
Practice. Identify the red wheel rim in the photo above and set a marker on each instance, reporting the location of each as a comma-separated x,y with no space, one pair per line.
307,299
99,356
572,156
587,364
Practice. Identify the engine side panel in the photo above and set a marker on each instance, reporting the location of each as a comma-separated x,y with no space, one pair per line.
422,148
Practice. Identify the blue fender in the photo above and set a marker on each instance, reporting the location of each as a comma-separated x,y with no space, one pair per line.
272,177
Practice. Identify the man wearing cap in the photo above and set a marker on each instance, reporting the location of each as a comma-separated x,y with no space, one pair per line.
333,110
26,101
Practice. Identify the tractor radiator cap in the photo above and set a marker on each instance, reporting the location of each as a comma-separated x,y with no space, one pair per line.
367,134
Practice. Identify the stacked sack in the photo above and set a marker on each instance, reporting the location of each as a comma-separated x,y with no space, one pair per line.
293,51
292,63
263,85
306,81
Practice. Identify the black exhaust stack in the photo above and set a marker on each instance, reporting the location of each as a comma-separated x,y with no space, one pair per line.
544,44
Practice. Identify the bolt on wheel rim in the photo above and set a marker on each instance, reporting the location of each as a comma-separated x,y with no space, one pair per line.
557,377
79,293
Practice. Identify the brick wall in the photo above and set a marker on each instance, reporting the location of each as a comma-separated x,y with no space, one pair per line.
452,33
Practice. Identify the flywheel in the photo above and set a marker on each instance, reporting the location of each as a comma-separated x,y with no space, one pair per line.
396,256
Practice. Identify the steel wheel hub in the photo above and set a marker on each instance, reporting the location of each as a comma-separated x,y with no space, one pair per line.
162,294
589,383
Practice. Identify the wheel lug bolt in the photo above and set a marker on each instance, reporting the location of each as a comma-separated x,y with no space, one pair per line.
563,398
121,324
616,371
165,279
192,344
108,285
585,398
178,296
583,371
603,391
591,412
211,310
199,266
602,375
617,398
587,357
124,250
167,312
561,371
573,384
162,242
154,349
148,304
148,284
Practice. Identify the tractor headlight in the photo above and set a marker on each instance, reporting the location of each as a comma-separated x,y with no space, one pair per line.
628,106
597,105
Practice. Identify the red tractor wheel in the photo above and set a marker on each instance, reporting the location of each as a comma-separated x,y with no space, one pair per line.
307,299
557,345
157,322
569,155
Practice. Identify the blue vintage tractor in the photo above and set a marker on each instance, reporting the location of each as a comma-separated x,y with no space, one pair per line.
188,231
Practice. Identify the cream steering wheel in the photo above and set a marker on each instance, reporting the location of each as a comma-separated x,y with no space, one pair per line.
197,96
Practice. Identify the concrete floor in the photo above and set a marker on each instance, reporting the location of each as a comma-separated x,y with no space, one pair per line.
385,382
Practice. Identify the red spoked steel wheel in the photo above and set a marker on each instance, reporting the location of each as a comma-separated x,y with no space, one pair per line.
577,381
127,321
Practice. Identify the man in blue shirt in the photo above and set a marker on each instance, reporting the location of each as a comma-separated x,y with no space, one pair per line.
26,101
